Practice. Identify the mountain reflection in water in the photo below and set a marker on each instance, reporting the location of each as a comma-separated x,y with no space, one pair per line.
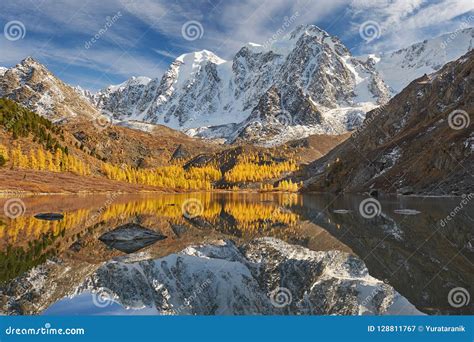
422,260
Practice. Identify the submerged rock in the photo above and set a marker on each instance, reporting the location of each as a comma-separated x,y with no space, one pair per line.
130,238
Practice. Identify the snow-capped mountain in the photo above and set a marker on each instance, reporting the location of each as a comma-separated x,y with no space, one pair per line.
307,79
266,276
400,67
117,98
304,83
31,84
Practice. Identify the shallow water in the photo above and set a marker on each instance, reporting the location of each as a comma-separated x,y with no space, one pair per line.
410,244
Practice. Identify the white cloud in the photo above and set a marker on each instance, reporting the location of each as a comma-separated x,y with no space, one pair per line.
165,53
229,24
404,22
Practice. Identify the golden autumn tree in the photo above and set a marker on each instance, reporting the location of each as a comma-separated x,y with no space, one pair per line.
4,157
33,161
58,157
41,159
49,161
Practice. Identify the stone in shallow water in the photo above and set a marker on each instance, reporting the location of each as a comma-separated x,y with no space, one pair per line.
406,190
49,216
341,211
406,211
130,238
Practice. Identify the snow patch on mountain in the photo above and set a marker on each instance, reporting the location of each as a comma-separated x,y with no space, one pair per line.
400,67
137,125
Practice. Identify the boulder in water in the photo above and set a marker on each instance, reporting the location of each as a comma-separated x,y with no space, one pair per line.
131,237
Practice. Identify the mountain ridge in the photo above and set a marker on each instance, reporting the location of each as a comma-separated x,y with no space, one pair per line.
325,110
398,68
303,84
313,72
31,84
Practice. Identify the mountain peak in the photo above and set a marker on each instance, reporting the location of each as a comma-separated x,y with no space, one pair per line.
287,43
199,57
131,82
30,61
34,86
308,29
322,88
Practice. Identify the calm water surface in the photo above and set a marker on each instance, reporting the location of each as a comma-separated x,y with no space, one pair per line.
416,254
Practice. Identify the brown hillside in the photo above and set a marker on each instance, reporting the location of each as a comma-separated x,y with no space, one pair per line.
410,145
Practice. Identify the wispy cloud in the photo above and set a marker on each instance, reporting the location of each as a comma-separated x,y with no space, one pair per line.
403,22
149,32
165,53
105,64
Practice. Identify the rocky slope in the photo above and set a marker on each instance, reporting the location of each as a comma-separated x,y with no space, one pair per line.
307,82
265,276
117,99
35,87
149,146
421,141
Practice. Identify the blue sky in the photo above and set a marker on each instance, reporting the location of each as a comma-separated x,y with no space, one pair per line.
142,37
